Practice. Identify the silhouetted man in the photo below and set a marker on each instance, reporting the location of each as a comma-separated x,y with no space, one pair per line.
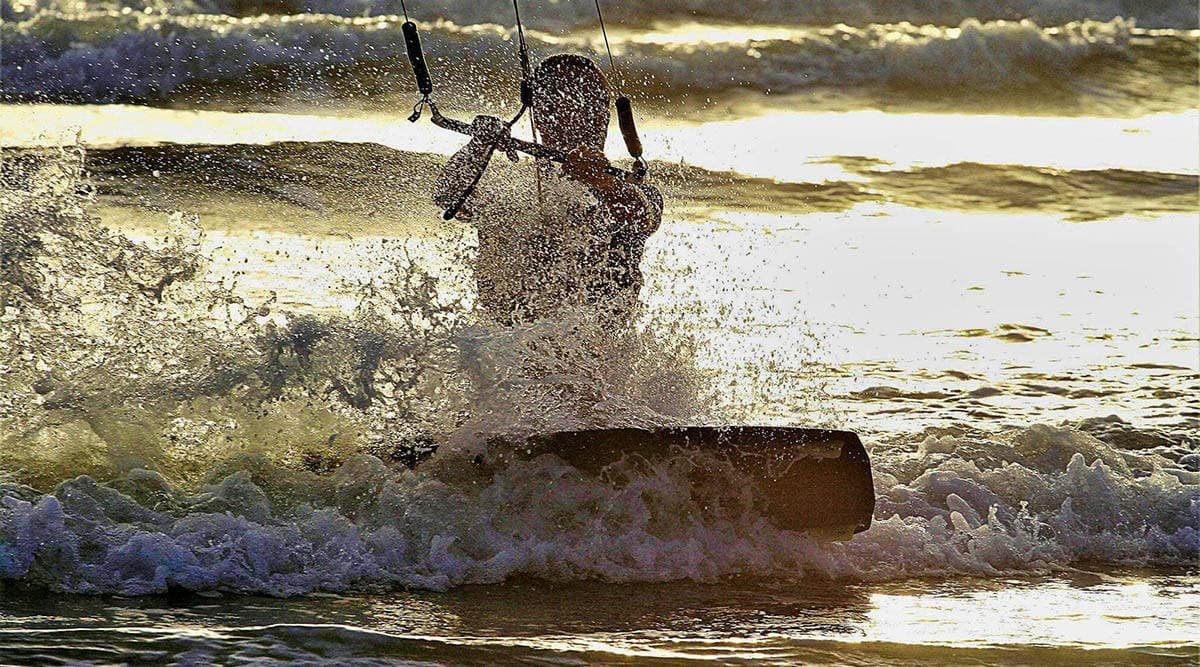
582,249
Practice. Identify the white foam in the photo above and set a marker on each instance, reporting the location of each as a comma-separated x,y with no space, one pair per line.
368,526
107,56
1151,13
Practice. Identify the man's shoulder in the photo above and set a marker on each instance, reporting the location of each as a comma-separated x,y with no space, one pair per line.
652,195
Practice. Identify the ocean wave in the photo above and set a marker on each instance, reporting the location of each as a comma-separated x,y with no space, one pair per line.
1077,195
329,176
1037,499
134,56
557,15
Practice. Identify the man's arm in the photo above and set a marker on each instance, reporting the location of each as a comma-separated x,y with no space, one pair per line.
638,206
470,160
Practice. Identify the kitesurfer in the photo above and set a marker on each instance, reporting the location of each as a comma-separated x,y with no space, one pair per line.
583,250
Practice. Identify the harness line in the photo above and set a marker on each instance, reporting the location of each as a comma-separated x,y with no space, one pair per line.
612,64
523,54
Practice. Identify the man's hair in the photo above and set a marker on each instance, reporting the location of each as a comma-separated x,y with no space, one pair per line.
570,99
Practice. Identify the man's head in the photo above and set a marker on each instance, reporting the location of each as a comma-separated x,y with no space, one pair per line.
570,102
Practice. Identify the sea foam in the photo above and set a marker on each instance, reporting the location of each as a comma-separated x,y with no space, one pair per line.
108,56
1014,509
582,15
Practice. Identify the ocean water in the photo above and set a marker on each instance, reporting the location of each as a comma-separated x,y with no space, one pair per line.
967,232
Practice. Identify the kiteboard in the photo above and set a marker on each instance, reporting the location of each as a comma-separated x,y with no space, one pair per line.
813,481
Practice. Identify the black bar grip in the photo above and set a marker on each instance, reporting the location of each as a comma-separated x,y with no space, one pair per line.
628,129
412,41
531,148
453,209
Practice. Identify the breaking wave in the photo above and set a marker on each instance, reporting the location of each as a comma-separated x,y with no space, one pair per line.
1150,13
1038,499
161,433
107,56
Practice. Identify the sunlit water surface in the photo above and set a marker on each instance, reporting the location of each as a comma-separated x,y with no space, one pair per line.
1080,619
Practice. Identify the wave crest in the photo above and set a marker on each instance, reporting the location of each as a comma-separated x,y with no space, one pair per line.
133,56
559,15
943,510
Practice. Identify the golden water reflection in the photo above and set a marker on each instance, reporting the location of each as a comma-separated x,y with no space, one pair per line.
786,146
1113,615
